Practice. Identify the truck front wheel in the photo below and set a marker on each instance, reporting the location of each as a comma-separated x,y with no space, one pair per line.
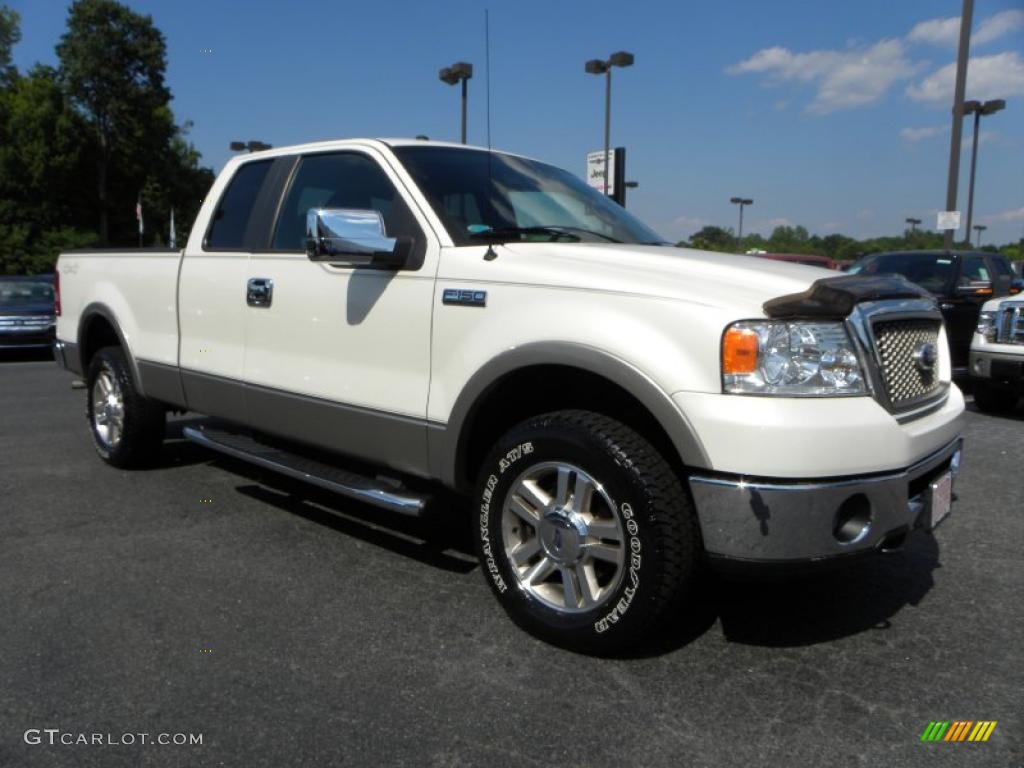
584,531
127,429
991,398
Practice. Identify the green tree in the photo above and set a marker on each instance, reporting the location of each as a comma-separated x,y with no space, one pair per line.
786,239
112,64
713,239
10,34
41,162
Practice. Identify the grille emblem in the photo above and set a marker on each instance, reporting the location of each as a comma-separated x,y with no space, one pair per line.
925,356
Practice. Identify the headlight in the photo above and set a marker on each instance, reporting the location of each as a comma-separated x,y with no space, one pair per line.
987,325
766,357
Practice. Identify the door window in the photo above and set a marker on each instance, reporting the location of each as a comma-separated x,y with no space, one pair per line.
975,271
341,180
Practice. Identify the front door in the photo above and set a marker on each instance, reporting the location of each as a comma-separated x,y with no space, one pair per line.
339,357
965,304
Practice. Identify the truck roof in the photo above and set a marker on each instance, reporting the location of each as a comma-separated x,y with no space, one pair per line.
342,143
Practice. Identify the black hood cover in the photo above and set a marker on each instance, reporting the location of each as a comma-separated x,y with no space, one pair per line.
835,297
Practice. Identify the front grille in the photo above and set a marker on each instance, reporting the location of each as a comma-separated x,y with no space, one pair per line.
1010,323
899,344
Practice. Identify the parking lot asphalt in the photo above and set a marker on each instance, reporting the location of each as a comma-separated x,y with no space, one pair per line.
292,628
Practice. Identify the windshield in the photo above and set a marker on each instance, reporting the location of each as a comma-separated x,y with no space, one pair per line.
14,293
931,271
486,196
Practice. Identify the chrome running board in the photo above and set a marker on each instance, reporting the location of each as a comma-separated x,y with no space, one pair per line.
243,446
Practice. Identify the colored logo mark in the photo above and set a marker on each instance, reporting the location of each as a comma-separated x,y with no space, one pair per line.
958,730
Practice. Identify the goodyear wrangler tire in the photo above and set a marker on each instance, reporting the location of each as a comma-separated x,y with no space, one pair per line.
127,428
584,531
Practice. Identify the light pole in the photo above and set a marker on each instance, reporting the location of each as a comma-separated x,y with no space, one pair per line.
252,146
966,16
913,224
979,228
740,201
978,109
602,67
460,71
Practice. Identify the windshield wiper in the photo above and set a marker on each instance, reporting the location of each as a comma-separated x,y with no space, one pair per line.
505,233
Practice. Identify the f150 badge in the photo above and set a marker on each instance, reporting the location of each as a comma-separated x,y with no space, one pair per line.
464,297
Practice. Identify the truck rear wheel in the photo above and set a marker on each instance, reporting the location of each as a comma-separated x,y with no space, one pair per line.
127,429
992,398
584,531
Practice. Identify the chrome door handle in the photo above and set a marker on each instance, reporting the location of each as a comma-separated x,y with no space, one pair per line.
259,292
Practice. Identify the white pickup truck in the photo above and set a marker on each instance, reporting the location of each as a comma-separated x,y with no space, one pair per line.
370,314
997,355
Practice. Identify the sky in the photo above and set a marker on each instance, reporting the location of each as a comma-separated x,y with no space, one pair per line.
834,116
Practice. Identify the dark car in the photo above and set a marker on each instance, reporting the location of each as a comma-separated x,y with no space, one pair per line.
961,281
26,312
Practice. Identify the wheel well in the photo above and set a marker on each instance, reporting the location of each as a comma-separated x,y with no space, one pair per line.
544,388
99,333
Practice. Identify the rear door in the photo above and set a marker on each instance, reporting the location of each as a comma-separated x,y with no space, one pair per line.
212,292
339,357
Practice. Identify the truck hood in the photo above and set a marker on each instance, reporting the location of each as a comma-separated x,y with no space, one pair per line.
701,277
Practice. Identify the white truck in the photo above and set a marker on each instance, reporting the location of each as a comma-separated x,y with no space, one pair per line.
997,355
369,315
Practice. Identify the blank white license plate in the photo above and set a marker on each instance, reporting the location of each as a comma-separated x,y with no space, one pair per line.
941,498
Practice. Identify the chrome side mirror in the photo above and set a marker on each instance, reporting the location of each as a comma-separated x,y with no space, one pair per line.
353,237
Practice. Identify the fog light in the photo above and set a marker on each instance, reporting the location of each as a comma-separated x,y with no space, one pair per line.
853,519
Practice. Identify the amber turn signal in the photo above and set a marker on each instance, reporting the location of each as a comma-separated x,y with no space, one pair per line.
739,351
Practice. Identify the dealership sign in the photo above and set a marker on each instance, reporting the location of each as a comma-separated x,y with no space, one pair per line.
595,170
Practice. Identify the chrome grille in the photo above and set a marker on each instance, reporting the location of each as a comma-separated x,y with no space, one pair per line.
25,322
1011,323
898,343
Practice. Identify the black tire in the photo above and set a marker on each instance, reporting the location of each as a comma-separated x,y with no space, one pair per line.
992,398
660,538
141,433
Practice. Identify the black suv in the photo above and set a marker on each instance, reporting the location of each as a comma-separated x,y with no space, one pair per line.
960,280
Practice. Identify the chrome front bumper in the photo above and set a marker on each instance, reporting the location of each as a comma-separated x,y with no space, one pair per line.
778,521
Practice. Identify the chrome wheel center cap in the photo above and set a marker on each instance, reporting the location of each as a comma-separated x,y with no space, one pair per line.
562,534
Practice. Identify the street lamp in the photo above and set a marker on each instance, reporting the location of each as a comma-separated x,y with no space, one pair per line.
460,71
252,146
740,201
601,67
979,228
978,109
913,223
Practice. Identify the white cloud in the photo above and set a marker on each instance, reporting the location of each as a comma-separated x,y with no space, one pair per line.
917,134
996,26
1005,217
773,223
946,32
844,78
988,77
936,31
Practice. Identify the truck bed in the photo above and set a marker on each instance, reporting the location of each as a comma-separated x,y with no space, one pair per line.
138,286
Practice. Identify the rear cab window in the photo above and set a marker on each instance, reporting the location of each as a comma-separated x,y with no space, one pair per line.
230,221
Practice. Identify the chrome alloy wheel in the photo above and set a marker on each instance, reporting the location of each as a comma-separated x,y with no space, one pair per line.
563,539
107,409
